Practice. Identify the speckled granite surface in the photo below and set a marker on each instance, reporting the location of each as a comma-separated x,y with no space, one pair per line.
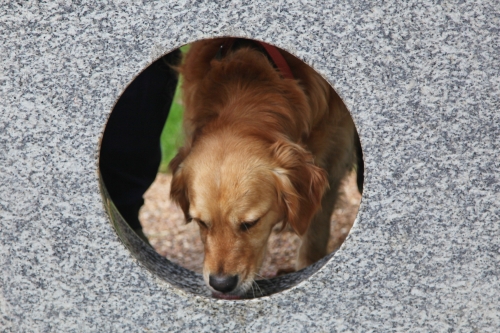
422,81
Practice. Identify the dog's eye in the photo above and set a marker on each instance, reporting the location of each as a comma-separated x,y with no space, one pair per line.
247,225
202,224
189,218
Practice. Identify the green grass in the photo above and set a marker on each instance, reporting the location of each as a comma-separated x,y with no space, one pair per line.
171,136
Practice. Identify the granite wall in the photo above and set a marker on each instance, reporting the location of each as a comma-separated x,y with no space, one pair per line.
421,79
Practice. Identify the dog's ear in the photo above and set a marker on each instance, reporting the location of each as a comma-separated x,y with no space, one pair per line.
178,186
300,184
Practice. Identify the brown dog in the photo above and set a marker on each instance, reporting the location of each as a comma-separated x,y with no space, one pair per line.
260,150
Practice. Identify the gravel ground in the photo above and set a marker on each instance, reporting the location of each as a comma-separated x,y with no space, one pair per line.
164,225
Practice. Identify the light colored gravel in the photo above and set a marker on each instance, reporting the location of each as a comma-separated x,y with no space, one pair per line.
164,225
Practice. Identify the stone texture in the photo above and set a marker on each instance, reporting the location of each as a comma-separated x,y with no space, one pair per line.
421,79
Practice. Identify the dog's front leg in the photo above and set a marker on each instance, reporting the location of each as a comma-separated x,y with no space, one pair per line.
314,244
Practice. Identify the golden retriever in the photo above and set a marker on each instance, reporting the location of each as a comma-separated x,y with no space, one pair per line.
260,149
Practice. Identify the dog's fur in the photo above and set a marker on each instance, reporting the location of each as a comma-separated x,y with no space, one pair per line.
259,150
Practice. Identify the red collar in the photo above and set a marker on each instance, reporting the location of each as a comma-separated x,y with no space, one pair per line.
272,51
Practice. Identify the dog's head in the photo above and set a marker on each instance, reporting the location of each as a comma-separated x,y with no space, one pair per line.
237,188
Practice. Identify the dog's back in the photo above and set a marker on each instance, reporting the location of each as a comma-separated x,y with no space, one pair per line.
317,117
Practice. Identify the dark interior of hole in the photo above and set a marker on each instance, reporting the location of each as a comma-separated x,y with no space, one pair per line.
129,159
130,149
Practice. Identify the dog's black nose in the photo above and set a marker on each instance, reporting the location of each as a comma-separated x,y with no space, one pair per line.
223,284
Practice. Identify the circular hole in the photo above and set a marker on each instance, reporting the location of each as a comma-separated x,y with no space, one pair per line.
268,152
